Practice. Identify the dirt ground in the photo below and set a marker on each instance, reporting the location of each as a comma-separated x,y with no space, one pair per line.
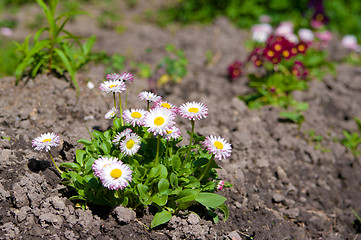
283,187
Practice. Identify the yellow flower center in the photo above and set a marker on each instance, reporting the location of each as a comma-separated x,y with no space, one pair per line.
111,86
116,173
270,53
218,145
166,105
136,115
285,53
278,47
130,144
46,140
159,121
301,48
168,131
193,110
258,62
319,17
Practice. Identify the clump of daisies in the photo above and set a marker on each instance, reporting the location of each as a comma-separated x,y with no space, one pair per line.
138,162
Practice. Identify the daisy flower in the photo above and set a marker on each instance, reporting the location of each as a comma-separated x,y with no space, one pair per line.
172,133
46,141
167,105
220,185
114,86
123,77
111,113
193,110
218,146
134,116
127,77
130,145
116,176
148,96
118,138
100,163
159,120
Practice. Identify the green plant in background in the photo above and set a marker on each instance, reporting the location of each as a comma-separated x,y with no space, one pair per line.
114,63
275,89
139,162
9,59
316,139
344,16
317,64
352,140
171,69
61,51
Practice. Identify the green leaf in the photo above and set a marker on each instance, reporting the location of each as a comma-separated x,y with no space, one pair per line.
176,163
187,195
117,123
223,207
211,200
159,199
163,185
173,180
161,218
80,157
193,182
73,166
143,194
200,162
105,146
68,67
97,134
85,142
88,165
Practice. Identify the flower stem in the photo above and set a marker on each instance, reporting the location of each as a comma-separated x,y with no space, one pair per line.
86,126
52,159
115,101
121,109
190,142
157,155
148,105
206,169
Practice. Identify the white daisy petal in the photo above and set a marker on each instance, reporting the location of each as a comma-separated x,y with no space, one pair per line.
114,86
100,163
159,120
193,110
134,116
148,96
173,133
130,145
218,146
116,176
119,137
46,141
167,105
111,113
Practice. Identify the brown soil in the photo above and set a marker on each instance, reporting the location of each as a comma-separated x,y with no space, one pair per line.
283,188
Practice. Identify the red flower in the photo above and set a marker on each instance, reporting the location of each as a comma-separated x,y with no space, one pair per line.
299,70
301,47
235,70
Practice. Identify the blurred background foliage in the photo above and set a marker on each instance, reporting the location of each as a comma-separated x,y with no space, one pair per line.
344,15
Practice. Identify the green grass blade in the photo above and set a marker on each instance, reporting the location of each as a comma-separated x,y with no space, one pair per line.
68,67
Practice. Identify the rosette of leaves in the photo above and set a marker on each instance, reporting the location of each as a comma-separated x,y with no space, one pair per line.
171,186
60,51
276,89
